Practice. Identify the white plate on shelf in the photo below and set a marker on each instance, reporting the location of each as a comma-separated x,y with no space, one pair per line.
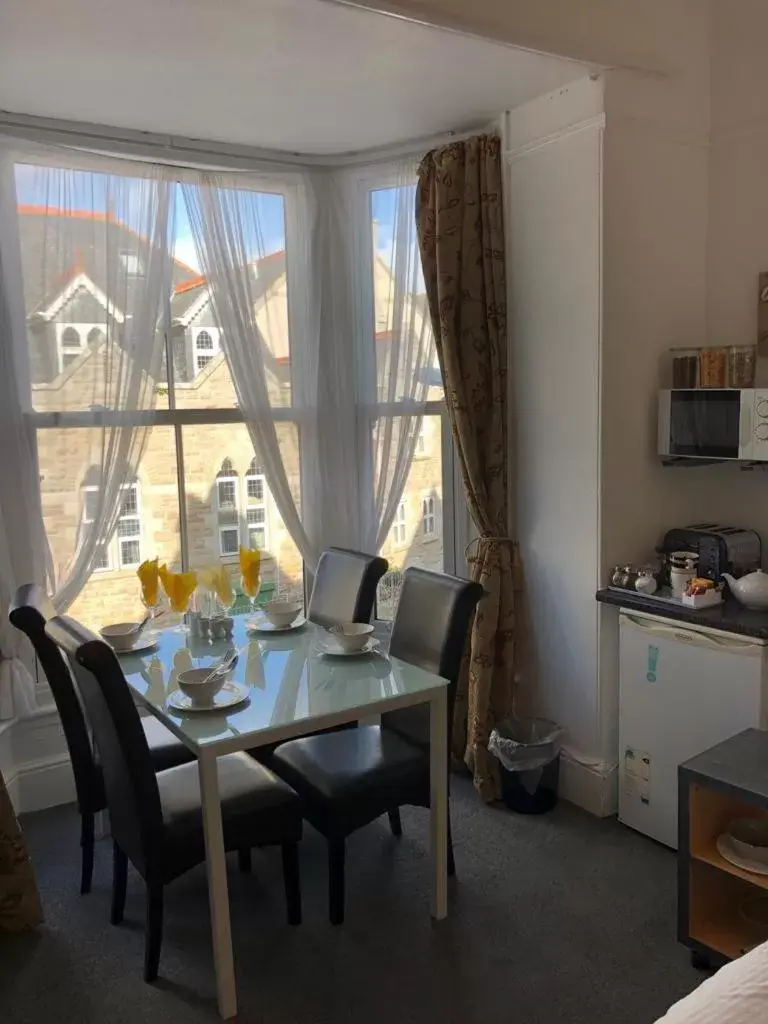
727,852
263,625
229,695
146,641
335,650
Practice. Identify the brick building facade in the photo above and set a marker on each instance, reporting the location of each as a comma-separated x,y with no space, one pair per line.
228,501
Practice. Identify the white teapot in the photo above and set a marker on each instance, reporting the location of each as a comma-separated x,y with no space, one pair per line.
751,590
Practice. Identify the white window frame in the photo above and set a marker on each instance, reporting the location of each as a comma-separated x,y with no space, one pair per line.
434,533
399,529
234,506
113,547
420,451
83,331
208,354
252,504
137,537
229,528
456,523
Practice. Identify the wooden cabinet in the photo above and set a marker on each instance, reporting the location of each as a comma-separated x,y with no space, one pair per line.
717,899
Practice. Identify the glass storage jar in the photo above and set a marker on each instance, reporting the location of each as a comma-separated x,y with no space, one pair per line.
685,367
741,366
713,367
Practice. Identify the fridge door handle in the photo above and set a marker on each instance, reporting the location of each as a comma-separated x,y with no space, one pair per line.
693,637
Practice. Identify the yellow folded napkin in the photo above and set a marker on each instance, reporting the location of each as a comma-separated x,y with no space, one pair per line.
250,567
147,573
216,578
178,586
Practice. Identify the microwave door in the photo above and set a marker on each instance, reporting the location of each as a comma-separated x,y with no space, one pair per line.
705,424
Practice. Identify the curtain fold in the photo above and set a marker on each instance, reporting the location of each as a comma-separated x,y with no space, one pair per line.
22,542
460,223
355,393
116,303
20,908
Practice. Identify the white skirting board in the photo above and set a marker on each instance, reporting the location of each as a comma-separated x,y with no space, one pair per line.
35,762
591,787
38,773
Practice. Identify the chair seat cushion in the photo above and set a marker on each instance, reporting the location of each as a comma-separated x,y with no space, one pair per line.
165,750
257,808
349,778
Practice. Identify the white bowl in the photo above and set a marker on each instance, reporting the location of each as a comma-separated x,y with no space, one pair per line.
749,838
352,636
122,635
193,683
282,613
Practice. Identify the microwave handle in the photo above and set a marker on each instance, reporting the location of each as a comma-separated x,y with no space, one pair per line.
665,405
746,429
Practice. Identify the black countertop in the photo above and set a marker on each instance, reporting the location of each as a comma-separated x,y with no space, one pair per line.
729,616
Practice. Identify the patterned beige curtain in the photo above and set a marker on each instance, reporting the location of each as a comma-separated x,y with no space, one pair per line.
460,226
19,902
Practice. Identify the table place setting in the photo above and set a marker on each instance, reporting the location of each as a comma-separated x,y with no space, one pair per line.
348,640
278,617
208,689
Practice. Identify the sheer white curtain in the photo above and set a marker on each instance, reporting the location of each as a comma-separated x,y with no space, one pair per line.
21,534
258,322
355,400
396,386
84,273
94,297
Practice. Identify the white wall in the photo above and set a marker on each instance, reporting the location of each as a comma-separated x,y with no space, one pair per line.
553,155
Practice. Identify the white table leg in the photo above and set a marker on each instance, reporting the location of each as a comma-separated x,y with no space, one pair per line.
438,802
218,892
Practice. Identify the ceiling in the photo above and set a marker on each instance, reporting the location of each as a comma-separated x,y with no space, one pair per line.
298,75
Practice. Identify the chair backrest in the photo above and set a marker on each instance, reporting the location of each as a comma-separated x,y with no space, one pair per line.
345,587
133,799
430,630
30,609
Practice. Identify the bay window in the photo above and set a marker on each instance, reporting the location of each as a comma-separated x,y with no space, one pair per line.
202,483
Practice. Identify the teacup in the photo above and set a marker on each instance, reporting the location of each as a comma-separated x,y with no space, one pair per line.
200,684
352,636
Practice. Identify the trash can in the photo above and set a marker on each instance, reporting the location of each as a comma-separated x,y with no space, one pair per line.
528,751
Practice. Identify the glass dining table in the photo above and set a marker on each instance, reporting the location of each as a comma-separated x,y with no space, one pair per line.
293,689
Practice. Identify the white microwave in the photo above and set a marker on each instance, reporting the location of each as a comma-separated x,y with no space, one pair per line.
714,423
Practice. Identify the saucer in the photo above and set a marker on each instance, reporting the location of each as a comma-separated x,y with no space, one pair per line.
263,625
228,696
330,648
146,641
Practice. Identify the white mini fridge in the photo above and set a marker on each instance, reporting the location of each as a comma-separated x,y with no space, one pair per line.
682,689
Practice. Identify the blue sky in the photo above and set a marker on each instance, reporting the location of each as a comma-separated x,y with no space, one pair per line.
86,191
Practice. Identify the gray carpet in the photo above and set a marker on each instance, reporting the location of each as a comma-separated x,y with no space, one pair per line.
562,918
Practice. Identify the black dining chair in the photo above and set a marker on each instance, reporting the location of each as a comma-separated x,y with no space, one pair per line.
157,820
347,779
30,609
345,587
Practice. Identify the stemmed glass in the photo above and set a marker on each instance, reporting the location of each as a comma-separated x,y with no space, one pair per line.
250,579
150,589
179,586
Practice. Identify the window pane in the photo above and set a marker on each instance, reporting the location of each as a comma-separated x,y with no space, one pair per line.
255,489
414,316
203,380
215,533
227,493
83,249
128,527
416,537
129,504
69,461
130,552
230,541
